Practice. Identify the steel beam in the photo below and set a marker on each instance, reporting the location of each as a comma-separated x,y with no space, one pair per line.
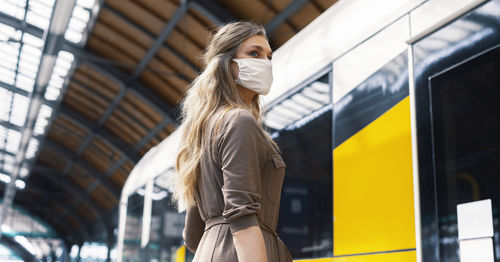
21,25
171,24
216,10
14,89
289,10
206,13
92,172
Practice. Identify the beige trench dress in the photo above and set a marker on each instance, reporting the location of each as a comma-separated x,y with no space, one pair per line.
239,186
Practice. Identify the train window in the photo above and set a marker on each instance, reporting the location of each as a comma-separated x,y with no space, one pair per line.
465,113
302,126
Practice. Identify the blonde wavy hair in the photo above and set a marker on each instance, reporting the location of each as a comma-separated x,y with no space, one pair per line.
214,88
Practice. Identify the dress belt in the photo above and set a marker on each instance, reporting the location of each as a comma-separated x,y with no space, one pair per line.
220,220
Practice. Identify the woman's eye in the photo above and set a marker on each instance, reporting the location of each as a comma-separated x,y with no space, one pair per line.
254,53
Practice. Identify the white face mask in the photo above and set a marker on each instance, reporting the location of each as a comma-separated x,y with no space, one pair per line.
255,74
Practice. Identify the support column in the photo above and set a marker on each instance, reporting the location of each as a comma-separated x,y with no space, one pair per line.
80,245
111,241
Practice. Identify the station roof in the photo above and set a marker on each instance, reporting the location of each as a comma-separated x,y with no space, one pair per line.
120,69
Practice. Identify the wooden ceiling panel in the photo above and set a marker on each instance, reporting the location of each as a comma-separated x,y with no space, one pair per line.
121,131
278,5
102,196
99,157
63,134
305,15
56,208
99,78
72,221
155,25
140,37
51,159
119,177
128,166
188,25
84,211
142,119
166,93
325,4
202,19
169,129
80,177
169,75
142,107
281,34
85,107
118,41
134,128
86,94
106,50
67,142
100,89
76,129
106,149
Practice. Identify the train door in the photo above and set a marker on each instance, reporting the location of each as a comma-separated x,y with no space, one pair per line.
457,99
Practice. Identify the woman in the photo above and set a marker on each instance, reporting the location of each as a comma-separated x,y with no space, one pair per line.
229,170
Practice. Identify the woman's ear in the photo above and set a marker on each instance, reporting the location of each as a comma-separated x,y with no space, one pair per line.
233,67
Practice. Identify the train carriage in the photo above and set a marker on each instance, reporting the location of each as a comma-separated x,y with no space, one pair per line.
388,119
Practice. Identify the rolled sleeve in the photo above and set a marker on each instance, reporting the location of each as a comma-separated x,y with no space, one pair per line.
241,152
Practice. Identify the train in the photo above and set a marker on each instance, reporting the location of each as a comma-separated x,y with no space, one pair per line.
387,114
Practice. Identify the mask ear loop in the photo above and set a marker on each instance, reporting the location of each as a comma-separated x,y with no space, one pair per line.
237,80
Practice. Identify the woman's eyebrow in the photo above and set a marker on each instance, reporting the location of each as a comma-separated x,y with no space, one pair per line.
260,48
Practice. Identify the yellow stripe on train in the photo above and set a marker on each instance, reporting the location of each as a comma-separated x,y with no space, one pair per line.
373,189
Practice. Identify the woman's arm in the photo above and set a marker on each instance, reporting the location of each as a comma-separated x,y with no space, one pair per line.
249,244
193,230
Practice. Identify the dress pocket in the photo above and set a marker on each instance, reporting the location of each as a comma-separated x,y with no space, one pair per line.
275,179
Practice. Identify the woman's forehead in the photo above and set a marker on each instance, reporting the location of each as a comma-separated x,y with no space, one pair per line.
257,41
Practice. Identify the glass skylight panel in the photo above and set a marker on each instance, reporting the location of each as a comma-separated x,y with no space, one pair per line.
4,178
32,148
5,97
81,14
19,110
13,141
66,56
39,13
25,83
86,3
73,36
24,172
42,119
21,185
52,93
40,8
8,167
9,159
14,8
79,20
7,76
11,32
61,69
3,135
32,40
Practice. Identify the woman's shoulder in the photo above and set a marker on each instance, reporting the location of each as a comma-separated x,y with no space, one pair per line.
237,117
